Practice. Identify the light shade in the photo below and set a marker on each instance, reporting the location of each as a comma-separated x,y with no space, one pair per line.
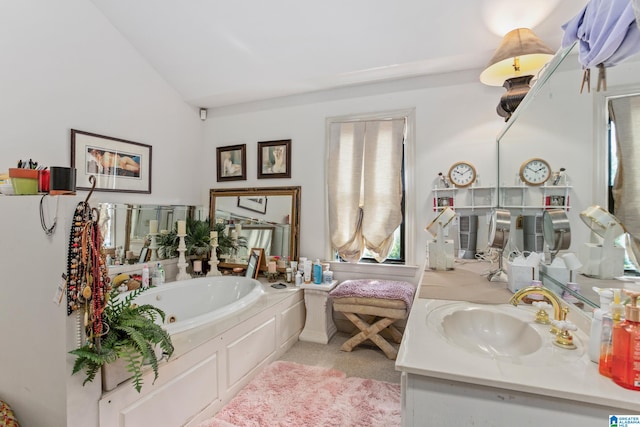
521,53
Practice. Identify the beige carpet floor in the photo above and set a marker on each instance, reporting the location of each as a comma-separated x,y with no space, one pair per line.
365,361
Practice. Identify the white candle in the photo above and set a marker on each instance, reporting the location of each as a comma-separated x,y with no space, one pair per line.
182,227
234,234
153,226
272,266
197,266
238,228
213,238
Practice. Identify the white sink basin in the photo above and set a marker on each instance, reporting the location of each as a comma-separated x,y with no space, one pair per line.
501,332
491,332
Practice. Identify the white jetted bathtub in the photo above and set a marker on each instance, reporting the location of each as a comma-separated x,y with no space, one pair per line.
224,330
191,303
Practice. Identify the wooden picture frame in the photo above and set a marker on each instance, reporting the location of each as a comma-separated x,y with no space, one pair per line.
117,164
231,163
274,159
255,263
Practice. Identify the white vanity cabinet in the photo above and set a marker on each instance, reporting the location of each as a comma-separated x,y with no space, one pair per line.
447,384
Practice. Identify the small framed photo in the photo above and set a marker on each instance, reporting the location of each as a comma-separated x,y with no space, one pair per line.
253,203
117,164
232,163
274,159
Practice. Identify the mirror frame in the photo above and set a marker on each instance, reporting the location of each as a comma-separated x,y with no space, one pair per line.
294,218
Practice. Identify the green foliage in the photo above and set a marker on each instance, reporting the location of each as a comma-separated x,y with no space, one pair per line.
198,236
132,334
168,244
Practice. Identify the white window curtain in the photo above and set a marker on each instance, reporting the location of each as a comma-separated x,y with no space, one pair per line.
365,186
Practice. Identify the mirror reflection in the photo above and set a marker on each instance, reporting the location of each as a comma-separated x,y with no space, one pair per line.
557,124
126,227
267,218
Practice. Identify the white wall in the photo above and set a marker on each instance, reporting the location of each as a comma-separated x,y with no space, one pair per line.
64,66
455,120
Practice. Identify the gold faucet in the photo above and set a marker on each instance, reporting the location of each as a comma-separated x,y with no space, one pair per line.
555,302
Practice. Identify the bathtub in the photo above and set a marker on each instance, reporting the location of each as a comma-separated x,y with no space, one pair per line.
226,330
188,304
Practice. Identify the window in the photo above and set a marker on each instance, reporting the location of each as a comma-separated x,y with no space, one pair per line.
367,187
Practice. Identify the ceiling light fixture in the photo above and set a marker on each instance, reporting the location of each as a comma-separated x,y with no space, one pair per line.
519,57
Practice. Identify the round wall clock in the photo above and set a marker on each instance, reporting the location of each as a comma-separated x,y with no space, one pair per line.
535,171
462,174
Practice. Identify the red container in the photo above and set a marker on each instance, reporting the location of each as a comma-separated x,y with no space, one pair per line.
43,181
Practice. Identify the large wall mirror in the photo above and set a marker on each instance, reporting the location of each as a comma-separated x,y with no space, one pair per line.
571,131
125,227
269,218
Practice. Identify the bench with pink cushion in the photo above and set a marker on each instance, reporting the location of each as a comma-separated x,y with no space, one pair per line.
374,306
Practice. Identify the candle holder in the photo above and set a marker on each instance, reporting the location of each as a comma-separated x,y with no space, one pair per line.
182,261
213,262
153,245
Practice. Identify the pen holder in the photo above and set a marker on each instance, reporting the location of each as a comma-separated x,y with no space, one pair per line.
24,181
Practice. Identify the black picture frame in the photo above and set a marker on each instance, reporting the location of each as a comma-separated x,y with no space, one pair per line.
253,203
117,164
231,163
274,159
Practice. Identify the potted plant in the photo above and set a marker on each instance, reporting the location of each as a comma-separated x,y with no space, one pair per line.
168,242
132,336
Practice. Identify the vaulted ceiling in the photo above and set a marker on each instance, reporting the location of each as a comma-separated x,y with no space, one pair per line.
217,53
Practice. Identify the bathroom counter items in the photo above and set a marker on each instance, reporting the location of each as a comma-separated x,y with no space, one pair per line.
438,371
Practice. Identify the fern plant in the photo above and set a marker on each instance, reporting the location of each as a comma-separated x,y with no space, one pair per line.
132,335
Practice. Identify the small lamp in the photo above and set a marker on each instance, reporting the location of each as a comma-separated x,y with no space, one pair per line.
518,58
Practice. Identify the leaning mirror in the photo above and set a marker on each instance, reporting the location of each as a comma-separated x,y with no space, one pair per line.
266,218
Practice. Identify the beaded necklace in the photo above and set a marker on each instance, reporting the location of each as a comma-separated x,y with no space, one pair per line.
87,277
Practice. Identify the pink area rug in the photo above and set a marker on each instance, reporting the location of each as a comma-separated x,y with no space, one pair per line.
289,394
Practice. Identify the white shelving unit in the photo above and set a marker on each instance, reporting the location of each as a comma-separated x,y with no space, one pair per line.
473,198
524,197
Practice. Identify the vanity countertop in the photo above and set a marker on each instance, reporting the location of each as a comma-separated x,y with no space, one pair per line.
426,352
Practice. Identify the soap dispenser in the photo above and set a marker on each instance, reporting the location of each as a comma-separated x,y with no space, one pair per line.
625,366
609,320
606,296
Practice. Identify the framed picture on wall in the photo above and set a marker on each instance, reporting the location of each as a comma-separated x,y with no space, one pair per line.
117,164
232,163
274,159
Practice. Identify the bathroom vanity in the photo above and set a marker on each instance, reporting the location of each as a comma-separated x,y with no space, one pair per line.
470,358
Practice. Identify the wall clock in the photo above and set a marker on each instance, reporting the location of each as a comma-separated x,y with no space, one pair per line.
535,171
462,174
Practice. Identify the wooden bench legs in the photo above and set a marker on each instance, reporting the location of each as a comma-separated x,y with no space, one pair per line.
371,332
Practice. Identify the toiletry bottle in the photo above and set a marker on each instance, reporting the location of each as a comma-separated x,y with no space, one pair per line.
288,274
609,320
317,272
606,296
145,276
298,278
160,274
625,366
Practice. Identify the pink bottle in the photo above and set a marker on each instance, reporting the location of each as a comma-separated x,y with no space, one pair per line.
625,364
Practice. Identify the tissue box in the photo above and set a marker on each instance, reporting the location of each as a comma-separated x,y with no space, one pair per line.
24,181
594,264
440,261
520,276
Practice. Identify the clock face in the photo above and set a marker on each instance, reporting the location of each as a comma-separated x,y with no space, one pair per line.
535,171
462,174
